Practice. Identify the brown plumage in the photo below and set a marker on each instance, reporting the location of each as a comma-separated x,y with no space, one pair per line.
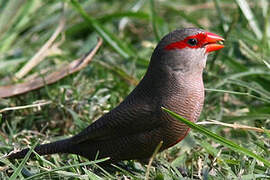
135,127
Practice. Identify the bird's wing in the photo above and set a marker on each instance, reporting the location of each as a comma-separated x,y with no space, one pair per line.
130,117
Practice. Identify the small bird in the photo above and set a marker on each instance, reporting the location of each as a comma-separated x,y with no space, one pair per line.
135,128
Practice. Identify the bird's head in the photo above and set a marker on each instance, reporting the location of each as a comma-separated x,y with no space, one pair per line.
186,50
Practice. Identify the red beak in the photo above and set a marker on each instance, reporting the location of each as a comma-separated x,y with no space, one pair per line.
211,42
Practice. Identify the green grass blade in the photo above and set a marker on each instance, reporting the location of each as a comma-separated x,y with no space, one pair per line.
266,31
250,72
237,93
221,16
118,71
123,50
126,14
91,175
245,8
154,20
190,19
6,65
134,8
8,15
9,31
21,165
252,87
66,167
218,138
267,64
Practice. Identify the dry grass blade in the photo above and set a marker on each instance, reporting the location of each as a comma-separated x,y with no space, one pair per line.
74,66
151,160
235,126
38,105
41,54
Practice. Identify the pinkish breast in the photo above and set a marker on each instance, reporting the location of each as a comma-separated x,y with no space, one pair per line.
187,101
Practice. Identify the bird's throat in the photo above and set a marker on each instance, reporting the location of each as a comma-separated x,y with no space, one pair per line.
187,98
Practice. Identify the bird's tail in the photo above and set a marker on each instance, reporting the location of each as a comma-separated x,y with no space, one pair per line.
62,146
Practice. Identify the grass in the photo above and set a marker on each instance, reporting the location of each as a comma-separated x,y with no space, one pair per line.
237,81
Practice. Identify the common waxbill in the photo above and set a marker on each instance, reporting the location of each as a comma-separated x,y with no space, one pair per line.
136,126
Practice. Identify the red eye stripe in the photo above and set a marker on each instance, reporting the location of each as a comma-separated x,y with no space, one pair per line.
184,43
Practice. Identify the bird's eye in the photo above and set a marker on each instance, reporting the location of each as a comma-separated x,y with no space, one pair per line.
192,42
